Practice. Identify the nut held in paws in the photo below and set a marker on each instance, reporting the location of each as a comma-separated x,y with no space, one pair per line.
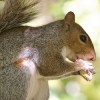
86,75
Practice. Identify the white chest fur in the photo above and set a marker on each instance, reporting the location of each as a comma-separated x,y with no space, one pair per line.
37,87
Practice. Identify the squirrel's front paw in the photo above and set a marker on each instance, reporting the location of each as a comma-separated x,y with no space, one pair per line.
83,65
85,68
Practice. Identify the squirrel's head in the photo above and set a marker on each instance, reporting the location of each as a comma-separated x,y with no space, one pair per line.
77,40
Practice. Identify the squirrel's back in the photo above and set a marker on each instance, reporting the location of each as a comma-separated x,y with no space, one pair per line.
16,13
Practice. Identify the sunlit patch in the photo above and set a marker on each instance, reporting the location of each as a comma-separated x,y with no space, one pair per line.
27,60
30,65
72,88
26,65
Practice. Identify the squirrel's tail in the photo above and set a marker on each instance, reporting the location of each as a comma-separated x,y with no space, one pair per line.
17,12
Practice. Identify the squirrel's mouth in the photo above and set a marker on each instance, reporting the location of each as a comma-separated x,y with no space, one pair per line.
86,74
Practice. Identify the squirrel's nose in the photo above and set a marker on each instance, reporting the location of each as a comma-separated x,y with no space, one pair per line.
92,56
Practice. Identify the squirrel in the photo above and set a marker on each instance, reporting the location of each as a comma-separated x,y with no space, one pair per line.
30,56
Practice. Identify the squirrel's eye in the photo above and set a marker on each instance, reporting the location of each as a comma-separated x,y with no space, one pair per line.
83,38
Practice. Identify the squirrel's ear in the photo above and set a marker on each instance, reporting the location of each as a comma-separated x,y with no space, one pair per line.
70,18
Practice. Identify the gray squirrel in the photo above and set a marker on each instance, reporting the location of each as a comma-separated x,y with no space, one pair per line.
30,56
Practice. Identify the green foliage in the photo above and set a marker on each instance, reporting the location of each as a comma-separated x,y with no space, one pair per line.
56,8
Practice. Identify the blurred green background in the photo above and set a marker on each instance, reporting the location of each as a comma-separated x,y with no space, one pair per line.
88,16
